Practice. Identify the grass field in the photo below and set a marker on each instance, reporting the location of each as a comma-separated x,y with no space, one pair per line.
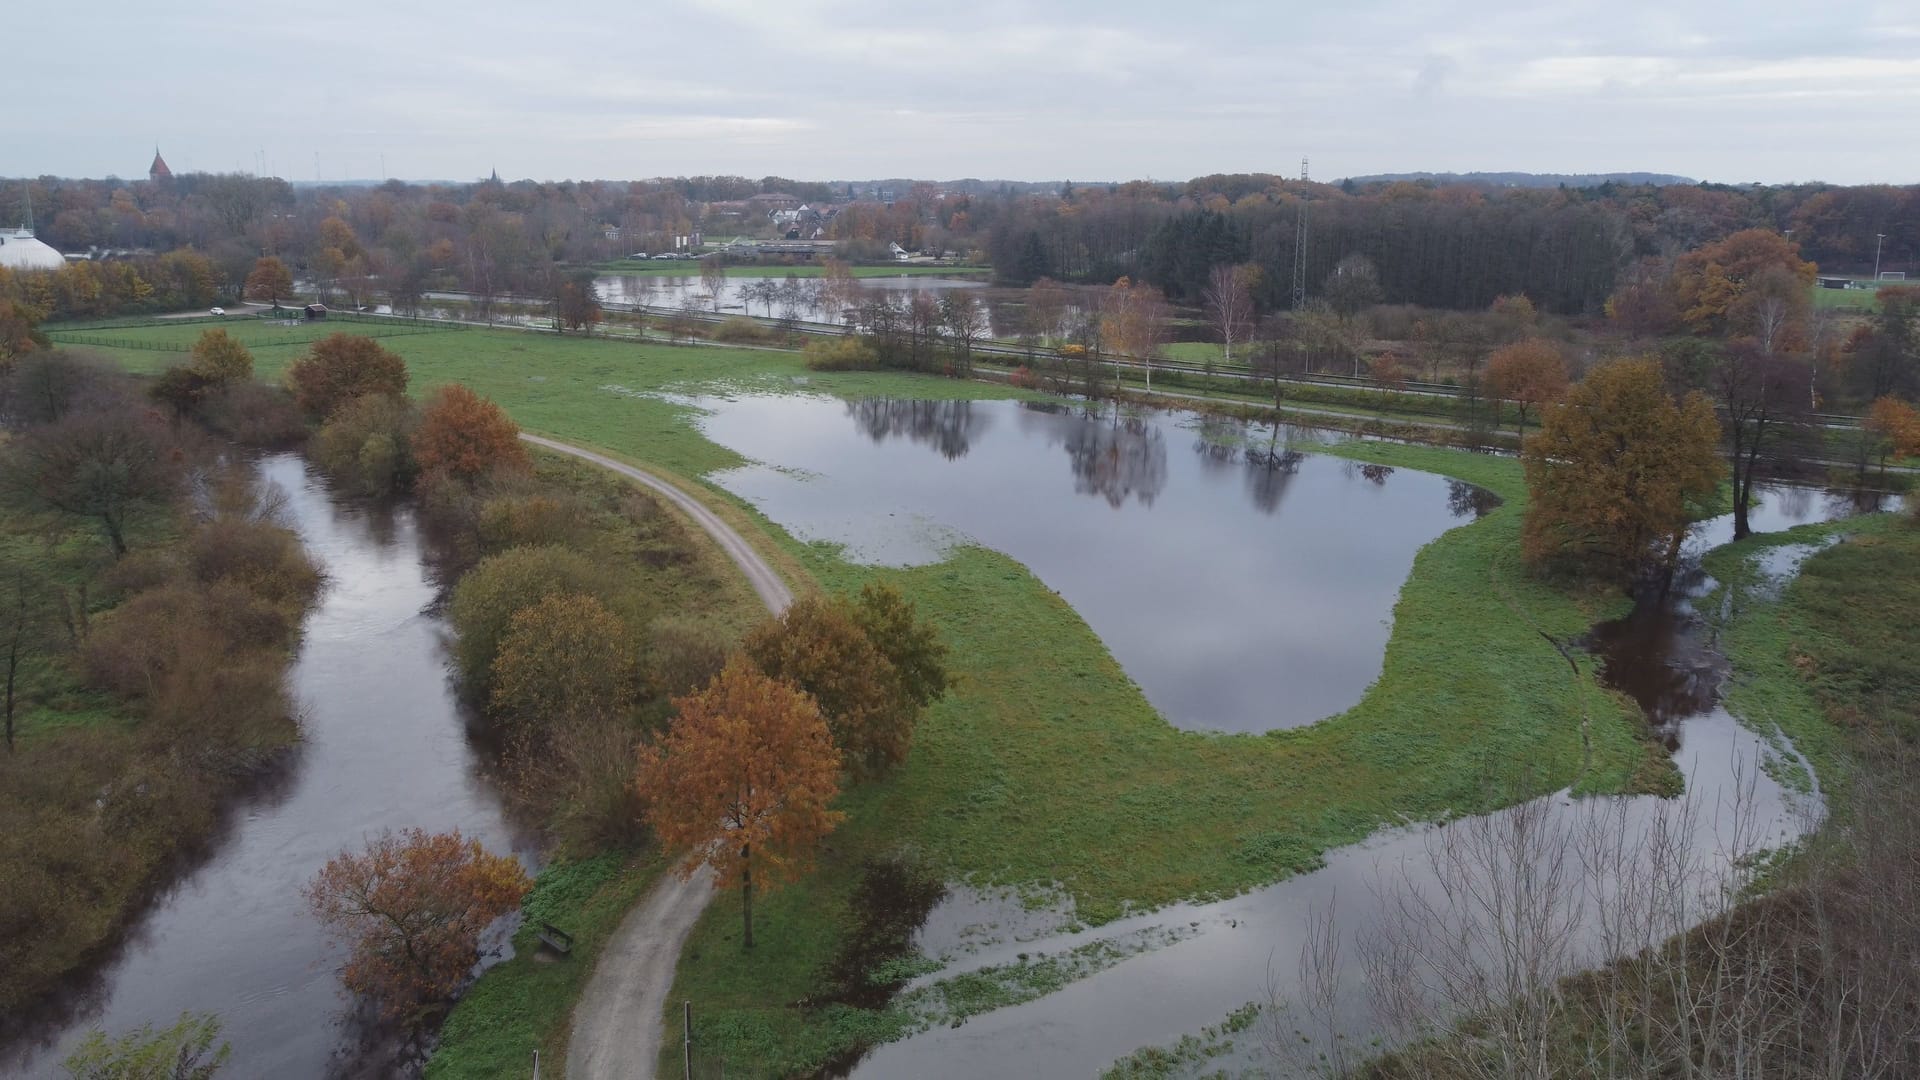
178,335
1046,764
1844,299
691,268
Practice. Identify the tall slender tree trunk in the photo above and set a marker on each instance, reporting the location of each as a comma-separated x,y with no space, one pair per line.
746,897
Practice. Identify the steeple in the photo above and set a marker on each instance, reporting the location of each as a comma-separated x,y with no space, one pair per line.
158,171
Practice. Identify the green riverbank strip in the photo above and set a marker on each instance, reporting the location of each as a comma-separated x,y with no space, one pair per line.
1046,764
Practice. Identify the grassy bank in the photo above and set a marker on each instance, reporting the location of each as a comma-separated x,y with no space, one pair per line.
1046,764
525,1003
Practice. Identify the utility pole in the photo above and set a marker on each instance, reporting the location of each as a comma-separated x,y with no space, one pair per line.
1879,241
1300,245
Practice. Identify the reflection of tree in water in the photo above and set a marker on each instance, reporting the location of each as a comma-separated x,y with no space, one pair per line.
1464,498
1217,441
947,426
1271,467
1116,456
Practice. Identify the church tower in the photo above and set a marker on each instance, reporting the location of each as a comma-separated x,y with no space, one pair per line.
158,171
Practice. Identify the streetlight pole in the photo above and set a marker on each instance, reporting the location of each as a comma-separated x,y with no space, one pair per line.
1880,240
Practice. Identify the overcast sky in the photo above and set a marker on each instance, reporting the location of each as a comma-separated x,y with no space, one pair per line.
1730,90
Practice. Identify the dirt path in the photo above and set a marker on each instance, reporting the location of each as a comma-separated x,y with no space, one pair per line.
617,1022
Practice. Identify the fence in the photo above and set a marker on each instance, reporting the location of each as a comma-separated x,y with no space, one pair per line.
262,332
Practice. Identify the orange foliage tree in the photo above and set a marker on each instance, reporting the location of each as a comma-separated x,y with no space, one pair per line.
1710,282
411,909
1529,373
744,777
270,280
341,367
1613,470
1896,425
466,436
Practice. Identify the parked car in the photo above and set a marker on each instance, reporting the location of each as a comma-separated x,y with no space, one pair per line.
666,255
217,311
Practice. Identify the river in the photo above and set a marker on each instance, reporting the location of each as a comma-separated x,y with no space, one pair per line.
384,747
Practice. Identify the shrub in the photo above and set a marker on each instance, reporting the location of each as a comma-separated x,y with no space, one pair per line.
486,600
467,436
682,655
563,659
366,445
845,353
341,368
508,521
740,329
261,557
253,414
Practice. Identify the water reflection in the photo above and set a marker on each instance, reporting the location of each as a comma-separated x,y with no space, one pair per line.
385,746
948,427
1116,456
1465,499
1186,567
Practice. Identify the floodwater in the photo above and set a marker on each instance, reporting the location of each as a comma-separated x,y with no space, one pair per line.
1593,851
1224,956
1244,584
385,746
799,298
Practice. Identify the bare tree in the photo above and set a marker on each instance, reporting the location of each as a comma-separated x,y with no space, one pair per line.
1133,324
713,278
1229,304
966,323
23,624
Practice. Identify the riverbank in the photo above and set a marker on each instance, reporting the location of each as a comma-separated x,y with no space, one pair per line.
148,697
1811,974
1046,764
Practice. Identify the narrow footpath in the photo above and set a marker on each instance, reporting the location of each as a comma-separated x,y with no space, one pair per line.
617,1023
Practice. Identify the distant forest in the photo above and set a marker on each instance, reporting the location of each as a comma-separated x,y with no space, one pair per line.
1432,243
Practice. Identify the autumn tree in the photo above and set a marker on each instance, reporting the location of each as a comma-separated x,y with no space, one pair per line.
576,304
410,909
1764,398
341,367
1613,470
564,658
466,436
1530,373
1883,357
19,332
816,646
220,359
1229,304
1388,373
1893,427
909,643
270,280
744,776
184,1050
1133,323
492,593
367,445
1710,283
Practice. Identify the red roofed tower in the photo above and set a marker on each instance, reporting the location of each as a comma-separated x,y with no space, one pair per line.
158,171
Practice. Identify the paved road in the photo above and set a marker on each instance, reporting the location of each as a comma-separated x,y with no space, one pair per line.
617,1022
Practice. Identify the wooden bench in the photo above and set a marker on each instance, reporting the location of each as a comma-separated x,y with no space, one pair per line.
555,938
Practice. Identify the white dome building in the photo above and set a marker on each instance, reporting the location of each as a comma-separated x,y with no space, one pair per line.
20,251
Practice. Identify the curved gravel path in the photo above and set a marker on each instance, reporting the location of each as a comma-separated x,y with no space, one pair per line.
617,1021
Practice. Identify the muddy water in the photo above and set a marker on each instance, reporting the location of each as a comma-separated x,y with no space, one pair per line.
801,300
1246,949
385,746
1243,583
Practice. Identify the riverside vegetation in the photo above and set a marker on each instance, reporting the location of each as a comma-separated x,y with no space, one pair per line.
1136,813
152,597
